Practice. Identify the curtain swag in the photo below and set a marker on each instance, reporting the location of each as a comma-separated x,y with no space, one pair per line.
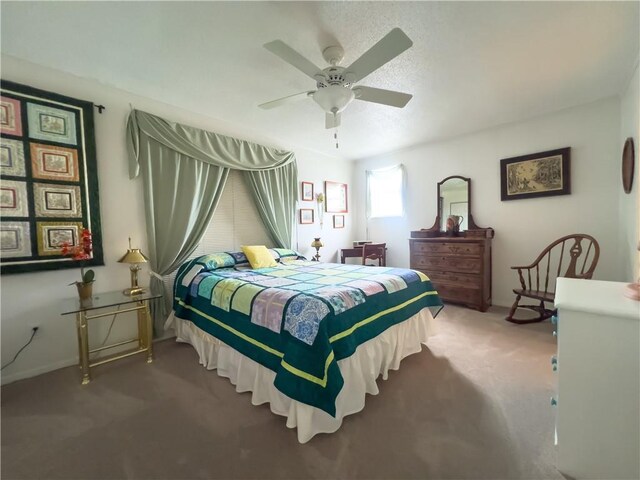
208,147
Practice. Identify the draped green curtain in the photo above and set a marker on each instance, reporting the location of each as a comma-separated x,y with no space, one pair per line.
184,172
201,145
275,197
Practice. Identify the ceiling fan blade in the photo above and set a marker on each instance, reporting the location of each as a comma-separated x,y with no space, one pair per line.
332,120
385,97
392,44
284,100
289,55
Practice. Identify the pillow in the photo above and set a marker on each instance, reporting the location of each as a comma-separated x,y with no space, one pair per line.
286,254
216,260
259,256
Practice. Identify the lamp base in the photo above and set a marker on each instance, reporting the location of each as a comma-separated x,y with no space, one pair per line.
133,291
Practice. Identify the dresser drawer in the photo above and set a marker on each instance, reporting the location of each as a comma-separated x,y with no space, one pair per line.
454,278
446,263
459,294
447,248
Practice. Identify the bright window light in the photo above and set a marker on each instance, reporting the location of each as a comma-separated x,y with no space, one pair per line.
385,192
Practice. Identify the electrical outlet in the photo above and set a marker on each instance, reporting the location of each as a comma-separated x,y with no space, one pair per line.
34,326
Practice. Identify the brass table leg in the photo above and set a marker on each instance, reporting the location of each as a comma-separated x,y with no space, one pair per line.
147,332
79,341
142,326
83,344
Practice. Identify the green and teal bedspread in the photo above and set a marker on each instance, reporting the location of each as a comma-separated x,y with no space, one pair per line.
299,318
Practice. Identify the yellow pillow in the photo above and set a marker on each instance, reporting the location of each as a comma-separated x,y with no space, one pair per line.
259,256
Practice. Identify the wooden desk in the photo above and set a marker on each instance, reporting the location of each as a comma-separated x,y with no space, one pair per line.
353,253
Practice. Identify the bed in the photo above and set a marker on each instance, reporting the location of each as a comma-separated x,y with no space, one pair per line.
309,338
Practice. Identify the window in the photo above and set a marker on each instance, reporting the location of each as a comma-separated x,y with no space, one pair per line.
385,192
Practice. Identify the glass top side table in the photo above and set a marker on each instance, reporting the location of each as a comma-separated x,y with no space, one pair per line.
110,303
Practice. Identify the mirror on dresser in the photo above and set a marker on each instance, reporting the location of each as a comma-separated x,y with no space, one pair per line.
458,259
453,199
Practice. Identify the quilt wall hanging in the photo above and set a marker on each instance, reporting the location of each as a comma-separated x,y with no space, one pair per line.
48,179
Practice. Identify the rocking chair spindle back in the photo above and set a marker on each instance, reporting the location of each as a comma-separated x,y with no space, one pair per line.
581,248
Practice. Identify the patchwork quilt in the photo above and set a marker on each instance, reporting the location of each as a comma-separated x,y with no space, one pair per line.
299,318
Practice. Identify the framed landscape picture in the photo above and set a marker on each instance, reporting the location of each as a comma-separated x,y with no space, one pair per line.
536,175
306,216
338,221
49,188
335,197
307,191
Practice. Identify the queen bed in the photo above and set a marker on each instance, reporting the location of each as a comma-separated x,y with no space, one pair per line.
309,338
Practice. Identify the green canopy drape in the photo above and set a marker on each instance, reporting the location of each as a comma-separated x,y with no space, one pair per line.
184,171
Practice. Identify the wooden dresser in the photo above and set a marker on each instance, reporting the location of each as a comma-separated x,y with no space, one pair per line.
459,267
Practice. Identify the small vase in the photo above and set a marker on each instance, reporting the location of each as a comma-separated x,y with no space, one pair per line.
85,290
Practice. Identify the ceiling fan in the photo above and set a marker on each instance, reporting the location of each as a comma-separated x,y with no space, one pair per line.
335,84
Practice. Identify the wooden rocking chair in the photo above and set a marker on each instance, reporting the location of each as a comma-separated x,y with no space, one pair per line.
550,261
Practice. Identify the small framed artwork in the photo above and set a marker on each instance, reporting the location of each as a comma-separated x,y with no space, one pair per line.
335,197
307,191
536,175
338,221
306,216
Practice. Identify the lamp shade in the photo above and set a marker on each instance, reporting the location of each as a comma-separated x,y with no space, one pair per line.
316,243
133,255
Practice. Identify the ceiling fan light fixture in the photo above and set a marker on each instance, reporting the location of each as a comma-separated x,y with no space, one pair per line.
333,98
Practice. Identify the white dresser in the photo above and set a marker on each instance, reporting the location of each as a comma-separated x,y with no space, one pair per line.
598,367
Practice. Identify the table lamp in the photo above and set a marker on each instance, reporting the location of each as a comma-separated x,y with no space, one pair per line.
316,244
134,257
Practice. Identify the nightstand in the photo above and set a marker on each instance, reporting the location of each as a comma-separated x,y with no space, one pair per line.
111,303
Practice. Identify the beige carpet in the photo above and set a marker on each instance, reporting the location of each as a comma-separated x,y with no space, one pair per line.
474,404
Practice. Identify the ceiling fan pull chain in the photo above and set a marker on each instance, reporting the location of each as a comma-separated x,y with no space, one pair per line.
335,136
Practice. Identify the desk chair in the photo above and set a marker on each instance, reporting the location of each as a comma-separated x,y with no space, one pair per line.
374,251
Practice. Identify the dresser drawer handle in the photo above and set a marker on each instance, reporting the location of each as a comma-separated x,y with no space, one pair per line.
554,363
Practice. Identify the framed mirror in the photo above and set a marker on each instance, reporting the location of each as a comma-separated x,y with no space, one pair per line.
454,205
453,200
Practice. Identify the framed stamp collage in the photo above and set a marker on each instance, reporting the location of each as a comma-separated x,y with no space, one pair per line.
48,179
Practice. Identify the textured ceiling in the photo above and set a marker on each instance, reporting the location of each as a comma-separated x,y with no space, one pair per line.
473,64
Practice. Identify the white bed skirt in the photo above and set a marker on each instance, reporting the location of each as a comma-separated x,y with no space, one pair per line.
360,371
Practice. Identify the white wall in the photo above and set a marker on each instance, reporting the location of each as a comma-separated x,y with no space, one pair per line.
31,299
316,170
523,227
630,203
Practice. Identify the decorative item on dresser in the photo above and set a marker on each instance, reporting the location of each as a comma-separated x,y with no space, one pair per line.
458,262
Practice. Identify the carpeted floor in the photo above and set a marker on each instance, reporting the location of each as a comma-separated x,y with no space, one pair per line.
474,404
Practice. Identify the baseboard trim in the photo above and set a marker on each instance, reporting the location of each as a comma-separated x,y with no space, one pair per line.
34,372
